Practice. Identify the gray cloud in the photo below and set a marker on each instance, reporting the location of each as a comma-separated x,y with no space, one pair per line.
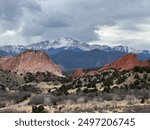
31,5
53,22
46,19
10,10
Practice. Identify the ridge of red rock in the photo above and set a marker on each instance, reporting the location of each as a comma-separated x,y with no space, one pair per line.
30,61
4,58
79,73
94,72
126,62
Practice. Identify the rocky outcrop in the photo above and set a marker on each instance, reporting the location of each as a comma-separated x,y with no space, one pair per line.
79,73
126,62
30,61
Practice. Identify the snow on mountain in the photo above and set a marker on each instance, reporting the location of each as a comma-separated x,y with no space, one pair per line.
99,47
68,43
39,46
121,48
130,49
12,48
59,43
65,42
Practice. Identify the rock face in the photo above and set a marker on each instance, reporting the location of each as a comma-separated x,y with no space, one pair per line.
94,72
79,73
126,62
4,58
30,61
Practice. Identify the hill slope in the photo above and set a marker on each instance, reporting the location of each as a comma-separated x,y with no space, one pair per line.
126,62
30,61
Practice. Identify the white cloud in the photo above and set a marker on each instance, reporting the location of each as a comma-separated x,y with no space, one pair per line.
116,34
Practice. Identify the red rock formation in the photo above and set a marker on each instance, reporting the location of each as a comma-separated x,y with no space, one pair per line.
78,73
4,58
94,72
126,62
30,61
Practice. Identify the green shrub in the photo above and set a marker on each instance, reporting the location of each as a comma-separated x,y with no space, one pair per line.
38,109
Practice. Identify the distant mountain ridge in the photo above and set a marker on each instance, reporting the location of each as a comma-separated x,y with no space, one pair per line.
66,44
72,54
70,60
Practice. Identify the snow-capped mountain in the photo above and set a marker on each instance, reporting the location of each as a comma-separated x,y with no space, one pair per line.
121,48
67,44
60,43
70,43
72,54
13,48
130,49
39,46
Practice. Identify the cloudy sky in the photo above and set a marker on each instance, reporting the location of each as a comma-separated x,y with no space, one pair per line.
110,22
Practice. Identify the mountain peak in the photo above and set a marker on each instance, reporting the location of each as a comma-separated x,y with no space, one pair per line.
126,62
65,42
